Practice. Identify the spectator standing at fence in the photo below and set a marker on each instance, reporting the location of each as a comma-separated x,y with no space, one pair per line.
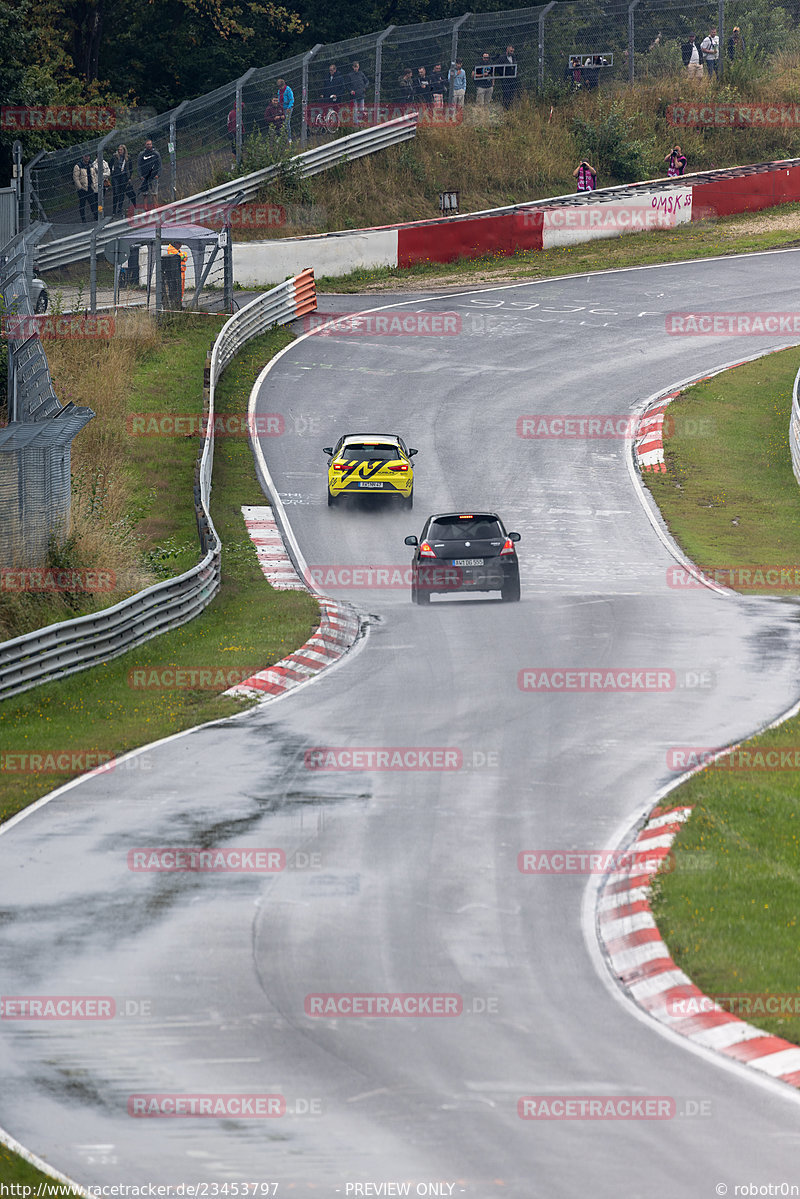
149,167
458,77
358,90
334,84
273,115
422,86
710,48
507,83
690,52
484,80
438,85
121,189
676,161
736,47
586,176
84,176
286,101
406,86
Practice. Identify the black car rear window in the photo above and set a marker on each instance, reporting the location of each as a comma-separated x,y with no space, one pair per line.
370,453
477,528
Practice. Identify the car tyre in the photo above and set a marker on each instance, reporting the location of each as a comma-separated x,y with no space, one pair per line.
511,591
332,500
408,501
423,595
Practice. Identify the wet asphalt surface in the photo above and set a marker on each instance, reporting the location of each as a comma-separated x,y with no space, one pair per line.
406,881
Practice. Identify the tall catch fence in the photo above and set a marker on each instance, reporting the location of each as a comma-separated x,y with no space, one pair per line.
36,431
565,44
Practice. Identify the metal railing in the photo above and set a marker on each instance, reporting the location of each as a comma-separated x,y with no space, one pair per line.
345,149
62,649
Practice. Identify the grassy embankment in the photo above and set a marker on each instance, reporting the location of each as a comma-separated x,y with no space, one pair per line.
247,626
729,911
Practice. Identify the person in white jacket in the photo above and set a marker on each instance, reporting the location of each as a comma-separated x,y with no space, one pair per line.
84,176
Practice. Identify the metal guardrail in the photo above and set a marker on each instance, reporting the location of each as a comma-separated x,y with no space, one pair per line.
77,246
794,428
62,649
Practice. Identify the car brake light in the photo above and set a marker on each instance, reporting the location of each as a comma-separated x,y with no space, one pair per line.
400,466
340,466
508,548
425,550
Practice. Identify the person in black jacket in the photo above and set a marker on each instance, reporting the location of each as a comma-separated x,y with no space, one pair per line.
149,168
335,85
406,87
507,84
438,84
692,58
121,189
357,90
736,46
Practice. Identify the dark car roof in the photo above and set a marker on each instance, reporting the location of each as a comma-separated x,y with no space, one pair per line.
476,512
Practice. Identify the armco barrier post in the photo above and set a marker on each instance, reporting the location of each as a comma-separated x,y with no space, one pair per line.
378,64
542,16
721,32
157,264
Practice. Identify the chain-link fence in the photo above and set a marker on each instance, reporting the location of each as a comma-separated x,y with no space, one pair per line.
554,47
35,439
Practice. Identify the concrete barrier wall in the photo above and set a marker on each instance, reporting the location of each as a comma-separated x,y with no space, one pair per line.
507,231
257,263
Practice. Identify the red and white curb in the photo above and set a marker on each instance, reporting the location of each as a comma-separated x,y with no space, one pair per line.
339,625
649,436
641,961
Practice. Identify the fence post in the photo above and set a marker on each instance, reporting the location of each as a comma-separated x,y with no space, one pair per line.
101,176
631,39
157,245
173,137
240,114
16,183
379,64
93,271
542,16
721,32
27,186
454,54
304,95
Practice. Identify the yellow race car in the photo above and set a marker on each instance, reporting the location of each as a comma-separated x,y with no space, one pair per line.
370,464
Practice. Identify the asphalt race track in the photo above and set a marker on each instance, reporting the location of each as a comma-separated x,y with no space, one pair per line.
410,882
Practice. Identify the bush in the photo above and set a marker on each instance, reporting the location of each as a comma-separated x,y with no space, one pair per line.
610,143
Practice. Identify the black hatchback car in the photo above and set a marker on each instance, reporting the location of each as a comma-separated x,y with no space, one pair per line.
462,552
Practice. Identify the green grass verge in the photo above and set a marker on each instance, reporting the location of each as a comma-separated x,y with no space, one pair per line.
729,495
16,1169
247,627
729,910
700,240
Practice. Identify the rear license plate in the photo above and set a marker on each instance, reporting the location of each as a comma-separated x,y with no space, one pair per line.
468,562
371,485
